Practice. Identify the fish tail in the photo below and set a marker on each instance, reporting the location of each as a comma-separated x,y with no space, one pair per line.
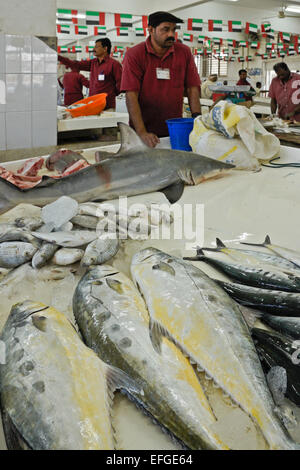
219,247
266,242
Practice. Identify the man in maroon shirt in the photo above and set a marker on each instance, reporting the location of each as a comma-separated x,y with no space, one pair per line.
243,74
155,74
285,93
105,72
72,84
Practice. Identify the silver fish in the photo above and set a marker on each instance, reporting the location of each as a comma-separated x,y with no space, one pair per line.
184,303
290,255
113,320
137,169
66,256
28,223
67,239
85,221
100,251
55,392
13,254
44,254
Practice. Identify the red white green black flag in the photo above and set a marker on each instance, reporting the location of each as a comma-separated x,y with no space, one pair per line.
63,28
234,26
215,25
100,30
95,18
140,32
83,30
187,37
284,37
251,28
123,20
122,31
67,16
194,24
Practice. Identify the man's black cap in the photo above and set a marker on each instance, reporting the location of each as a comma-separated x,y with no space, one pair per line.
162,16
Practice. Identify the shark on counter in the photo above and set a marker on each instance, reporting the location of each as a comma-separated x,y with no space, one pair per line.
135,169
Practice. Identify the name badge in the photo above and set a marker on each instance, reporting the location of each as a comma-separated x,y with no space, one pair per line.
163,74
101,77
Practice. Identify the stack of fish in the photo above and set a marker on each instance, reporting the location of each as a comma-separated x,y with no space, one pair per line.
268,282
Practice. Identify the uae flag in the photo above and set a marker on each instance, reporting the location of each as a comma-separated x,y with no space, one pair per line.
270,46
215,25
63,49
89,48
255,45
291,51
280,46
225,51
235,51
207,52
235,26
187,37
145,21
284,37
202,39
296,41
67,16
83,30
231,42
273,55
269,34
198,51
265,27
122,20
63,28
281,53
194,24
265,56
140,31
241,59
99,30
95,17
249,58
251,28
243,44
78,49
218,41
232,59
122,31
118,48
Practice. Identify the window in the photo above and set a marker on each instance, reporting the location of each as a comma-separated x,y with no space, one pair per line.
211,65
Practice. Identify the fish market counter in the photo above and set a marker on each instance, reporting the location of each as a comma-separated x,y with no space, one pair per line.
240,206
105,119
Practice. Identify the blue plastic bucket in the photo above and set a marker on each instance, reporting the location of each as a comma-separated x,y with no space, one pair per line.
179,131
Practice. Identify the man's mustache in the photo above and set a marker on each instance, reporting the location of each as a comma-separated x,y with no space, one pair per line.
170,39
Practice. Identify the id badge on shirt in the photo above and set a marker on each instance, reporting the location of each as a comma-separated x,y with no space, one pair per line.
163,74
101,77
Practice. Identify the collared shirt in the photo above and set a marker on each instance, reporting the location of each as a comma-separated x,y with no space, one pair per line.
159,98
105,77
73,83
284,93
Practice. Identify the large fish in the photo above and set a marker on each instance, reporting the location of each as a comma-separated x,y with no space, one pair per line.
136,169
113,320
55,392
187,306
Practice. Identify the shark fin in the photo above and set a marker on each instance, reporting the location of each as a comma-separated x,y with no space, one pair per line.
129,139
174,192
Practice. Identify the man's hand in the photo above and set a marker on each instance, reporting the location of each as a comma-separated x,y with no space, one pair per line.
149,139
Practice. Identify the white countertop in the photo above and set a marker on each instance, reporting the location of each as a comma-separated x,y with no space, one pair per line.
105,119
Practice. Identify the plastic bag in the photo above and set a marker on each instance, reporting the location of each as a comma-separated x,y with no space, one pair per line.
231,133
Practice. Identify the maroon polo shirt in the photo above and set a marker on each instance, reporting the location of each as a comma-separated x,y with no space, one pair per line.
110,68
159,99
73,83
287,95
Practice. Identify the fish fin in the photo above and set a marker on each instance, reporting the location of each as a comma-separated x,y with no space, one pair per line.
249,314
13,438
174,192
117,379
129,139
266,242
219,243
156,334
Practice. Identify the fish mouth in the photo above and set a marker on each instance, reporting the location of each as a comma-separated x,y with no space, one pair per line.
22,310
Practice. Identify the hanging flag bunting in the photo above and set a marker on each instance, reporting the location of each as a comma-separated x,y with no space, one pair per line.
273,55
81,30
63,49
123,20
198,51
265,56
231,42
187,37
145,21
122,31
67,16
207,51
281,53
235,51
280,46
284,37
140,31
249,58
291,51
100,30
243,44
251,28
225,51
241,59
265,27
270,45
63,28
215,25
95,17
202,39
78,49
269,34
217,41
232,59
89,48
235,26
193,24
58,49
296,41
118,48
255,45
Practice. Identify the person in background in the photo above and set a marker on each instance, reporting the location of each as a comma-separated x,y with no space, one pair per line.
105,72
72,83
258,88
155,74
285,93
243,74
225,82
205,91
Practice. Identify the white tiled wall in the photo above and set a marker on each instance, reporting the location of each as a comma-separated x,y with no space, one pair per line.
28,74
